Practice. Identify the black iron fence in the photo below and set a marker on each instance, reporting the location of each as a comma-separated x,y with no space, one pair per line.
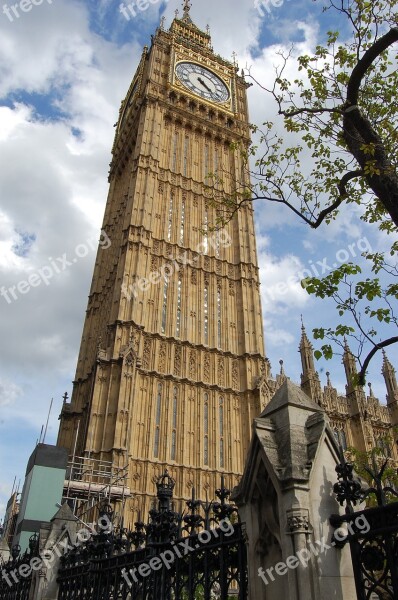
16,573
372,533
199,555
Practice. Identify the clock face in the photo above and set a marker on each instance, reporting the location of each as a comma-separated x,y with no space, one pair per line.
202,82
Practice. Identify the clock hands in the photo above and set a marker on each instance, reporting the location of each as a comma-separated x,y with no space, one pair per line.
205,85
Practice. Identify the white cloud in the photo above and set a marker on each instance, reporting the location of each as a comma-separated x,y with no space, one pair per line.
282,288
9,392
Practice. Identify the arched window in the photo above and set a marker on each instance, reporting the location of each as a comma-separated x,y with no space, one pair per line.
179,300
206,233
206,314
174,153
186,151
221,430
206,162
164,310
206,429
219,316
174,424
158,417
182,226
170,219
340,437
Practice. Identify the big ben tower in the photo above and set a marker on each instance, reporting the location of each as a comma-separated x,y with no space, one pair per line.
172,348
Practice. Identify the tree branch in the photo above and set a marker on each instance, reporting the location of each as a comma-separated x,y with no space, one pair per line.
379,346
343,194
366,61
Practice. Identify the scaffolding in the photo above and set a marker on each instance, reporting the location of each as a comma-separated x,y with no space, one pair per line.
91,482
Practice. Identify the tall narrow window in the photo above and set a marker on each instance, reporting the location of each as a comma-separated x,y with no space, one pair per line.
206,429
182,226
179,299
218,244
221,425
186,150
206,314
158,417
174,153
219,316
164,310
170,218
206,232
216,167
174,424
206,162
343,440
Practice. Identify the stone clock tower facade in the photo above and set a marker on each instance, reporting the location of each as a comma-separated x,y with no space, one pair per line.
172,354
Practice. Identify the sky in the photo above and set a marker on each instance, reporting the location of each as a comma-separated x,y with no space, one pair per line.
65,67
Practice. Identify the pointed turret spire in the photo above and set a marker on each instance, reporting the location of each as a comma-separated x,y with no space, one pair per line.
355,394
350,366
310,382
390,378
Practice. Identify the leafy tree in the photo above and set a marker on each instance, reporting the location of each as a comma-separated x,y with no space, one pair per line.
340,147
377,470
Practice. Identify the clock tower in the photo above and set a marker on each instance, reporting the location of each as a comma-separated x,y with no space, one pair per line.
172,359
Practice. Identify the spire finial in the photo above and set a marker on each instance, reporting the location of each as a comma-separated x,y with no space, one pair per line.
328,376
302,323
187,7
282,372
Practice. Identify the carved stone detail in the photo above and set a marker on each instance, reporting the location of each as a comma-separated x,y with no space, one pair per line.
206,368
298,522
221,372
235,375
162,356
146,355
192,364
177,361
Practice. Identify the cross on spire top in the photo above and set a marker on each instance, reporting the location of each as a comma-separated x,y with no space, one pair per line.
187,7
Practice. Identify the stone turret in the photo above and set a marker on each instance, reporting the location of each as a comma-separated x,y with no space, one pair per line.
361,432
310,382
390,378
